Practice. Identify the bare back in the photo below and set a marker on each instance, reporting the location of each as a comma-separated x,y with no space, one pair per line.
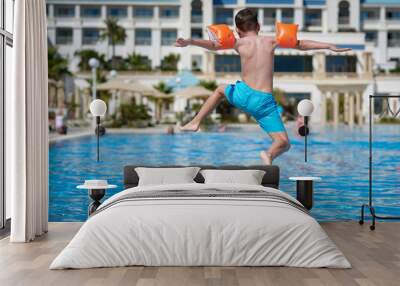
257,61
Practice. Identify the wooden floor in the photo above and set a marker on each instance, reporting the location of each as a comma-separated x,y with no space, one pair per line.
375,257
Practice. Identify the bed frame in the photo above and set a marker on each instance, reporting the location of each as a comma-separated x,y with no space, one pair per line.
270,179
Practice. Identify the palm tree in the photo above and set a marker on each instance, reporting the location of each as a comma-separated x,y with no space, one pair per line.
114,33
170,62
279,96
57,65
86,55
209,84
159,102
138,62
163,87
288,107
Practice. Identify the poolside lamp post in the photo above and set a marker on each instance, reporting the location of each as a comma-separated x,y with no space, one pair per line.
98,108
305,109
94,64
112,105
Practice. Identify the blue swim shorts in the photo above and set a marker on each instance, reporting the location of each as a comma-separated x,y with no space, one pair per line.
259,104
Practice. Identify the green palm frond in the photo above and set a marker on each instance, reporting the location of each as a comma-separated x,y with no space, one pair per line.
163,87
138,62
57,65
86,54
209,84
170,62
113,32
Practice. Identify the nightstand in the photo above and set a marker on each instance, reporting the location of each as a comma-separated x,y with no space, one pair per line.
304,190
97,190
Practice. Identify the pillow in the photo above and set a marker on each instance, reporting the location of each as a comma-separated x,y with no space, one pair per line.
166,176
248,177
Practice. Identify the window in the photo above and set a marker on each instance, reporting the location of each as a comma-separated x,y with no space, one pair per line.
143,37
197,11
196,62
369,14
169,12
344,13
313,18
143,12
197,34
393,38
224,16
117,11
227,63
90,36
393,14
341,64
293,64
64,11
269,16
6,44
90,11
64,36
396,61
371,37
168,37
287,15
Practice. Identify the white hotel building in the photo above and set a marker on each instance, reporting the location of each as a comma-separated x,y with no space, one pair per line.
338,84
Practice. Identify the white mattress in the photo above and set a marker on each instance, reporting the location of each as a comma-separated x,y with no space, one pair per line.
191,231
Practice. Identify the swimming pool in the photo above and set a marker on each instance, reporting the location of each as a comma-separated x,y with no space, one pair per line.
339,156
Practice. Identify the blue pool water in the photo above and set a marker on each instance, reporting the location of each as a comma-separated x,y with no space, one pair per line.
339,156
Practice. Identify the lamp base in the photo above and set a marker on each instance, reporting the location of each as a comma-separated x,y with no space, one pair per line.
304,194
304,130
96,195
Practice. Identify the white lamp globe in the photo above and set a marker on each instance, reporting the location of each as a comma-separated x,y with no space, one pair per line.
98,107
113,74
93,63
305,107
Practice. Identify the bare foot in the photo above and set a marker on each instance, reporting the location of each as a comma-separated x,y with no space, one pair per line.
190,127
266,158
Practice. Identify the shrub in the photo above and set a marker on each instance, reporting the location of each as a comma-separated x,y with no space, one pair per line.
163,87
86,54
208,84
57,65
130,114
170,62
137,62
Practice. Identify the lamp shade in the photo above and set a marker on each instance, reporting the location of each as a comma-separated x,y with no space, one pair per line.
305,107
98,107
94,63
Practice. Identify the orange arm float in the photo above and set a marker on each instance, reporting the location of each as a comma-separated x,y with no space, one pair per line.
222,35
286,35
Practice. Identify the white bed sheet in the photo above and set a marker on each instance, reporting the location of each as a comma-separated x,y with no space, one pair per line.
200,231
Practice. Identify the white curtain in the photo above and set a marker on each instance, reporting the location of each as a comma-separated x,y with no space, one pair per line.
27,124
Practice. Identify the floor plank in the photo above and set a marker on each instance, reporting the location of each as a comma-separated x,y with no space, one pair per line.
375,257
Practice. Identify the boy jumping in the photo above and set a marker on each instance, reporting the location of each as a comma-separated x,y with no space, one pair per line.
253,94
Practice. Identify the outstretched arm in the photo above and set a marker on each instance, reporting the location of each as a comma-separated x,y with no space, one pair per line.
305,45
206,44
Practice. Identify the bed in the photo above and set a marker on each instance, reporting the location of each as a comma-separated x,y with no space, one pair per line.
201,224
